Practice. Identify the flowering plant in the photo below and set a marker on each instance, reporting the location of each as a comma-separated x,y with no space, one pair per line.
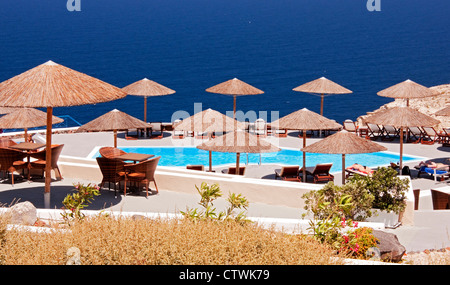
79,200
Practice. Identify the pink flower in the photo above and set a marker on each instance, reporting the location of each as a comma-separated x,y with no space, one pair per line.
345,238
355,224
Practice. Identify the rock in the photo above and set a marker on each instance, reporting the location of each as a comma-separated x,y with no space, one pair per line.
23,213
389,246
73,256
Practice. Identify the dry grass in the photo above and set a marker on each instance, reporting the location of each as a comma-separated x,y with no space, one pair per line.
107,240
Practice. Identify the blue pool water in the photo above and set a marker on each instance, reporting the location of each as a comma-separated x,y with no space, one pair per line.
182,156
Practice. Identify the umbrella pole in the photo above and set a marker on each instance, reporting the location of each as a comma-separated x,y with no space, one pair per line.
145,115
26,134
304,156
321,112
237,162
343,168
145,109
234,106
48,158
401,149
115,138
210,161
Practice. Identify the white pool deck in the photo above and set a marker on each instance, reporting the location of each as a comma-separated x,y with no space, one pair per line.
271,201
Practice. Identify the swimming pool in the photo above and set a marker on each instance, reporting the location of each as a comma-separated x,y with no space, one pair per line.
182,156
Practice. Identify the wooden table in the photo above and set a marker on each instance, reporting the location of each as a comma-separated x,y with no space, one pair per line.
134,156
27,146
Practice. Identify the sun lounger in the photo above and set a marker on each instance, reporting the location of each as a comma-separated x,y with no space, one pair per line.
199,167
260,127
201,135
232,170
430,136
435,172
349,126
321,173
288,173
157,132
374,131
390,133
350,172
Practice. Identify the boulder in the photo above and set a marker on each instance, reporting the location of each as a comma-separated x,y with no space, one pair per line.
389,246
24,213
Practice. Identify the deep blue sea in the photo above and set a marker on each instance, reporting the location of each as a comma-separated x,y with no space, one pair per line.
274,45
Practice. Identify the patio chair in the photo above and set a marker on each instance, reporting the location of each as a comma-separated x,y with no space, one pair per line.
142,172
390,133
260,127
157,131
445,137
288,173
441,200
349,126
430,136
5,142
321,173
41,156
374,131
113,171
12,160
199,167
232,170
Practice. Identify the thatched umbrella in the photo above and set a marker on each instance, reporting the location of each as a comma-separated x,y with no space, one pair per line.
25,118
147,88
443,112
344,142
408,89
304,120
114,120
401,117
7,110
52,85
209,121
322,87
238,142
234,87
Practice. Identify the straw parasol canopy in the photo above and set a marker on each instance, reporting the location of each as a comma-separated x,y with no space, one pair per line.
52,85
443,112
304,120
7,110
147,88
209,121
323,87
234,87
401,117
238,142
344,143
408,89
114,120
25,118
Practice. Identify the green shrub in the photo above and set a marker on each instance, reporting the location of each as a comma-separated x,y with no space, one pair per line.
208,194
388,190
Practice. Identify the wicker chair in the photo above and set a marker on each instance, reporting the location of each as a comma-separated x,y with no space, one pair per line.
41,157
5,142
110,152
113,171
12,160
142,172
